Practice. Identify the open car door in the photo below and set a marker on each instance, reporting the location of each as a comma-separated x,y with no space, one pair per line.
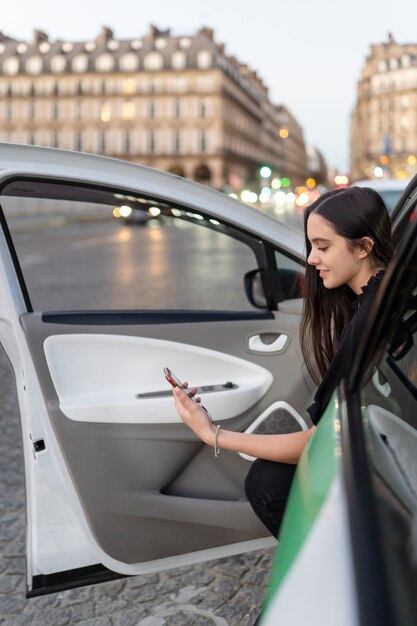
95,304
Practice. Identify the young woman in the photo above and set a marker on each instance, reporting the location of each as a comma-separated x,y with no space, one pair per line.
348,242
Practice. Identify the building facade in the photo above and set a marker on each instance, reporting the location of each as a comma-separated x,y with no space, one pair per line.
384,120
293,149
179,104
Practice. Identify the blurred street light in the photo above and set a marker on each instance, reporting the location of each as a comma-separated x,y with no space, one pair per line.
265,171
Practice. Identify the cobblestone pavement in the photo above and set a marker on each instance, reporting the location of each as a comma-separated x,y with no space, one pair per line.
225,592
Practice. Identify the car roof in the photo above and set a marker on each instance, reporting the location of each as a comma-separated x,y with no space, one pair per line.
50,163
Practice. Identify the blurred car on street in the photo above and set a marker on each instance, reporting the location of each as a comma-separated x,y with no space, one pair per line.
389,188
116,485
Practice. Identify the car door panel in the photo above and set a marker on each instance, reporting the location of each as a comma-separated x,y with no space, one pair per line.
130,499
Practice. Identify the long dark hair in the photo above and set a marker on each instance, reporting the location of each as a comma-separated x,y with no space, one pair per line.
353,213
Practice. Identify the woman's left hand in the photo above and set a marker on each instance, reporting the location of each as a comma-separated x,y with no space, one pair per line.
194,416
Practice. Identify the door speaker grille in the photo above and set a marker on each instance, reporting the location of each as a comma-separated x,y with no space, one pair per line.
278,422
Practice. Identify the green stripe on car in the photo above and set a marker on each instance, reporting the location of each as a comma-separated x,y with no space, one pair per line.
313,478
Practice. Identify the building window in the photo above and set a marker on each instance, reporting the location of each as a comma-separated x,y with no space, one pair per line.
204,83
202,108
153,61
151,109
129,62
31,139
176,144
185,43
11,66
178,84
129,86
78,109
151,142
34,65
55,140
204,59
55,110
79,88
102,145
105,112
80,63
179,60
127,110
405,102
202,141
58,64
78,142
176,108
161,43
126,142
9,111
31,111
105,63
405,122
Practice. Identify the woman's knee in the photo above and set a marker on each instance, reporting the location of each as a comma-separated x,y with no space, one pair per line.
268,480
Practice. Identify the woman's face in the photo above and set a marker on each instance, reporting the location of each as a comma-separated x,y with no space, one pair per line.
337,262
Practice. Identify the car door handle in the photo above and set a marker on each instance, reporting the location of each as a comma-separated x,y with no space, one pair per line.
381,384
268,342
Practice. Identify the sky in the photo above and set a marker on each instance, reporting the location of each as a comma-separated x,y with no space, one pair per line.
309,53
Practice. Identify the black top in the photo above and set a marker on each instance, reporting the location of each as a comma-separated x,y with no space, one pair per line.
349,340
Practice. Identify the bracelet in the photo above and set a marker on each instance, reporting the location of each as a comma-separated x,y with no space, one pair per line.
216,436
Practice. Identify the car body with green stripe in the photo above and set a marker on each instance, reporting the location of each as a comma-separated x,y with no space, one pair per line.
347,553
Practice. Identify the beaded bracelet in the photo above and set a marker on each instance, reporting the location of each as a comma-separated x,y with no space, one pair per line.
216,446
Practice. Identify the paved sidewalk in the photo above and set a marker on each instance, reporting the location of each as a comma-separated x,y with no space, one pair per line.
225,592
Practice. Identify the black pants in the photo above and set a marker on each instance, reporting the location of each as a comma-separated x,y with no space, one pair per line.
267,486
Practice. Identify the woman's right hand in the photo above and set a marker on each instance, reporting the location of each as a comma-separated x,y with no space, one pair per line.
193,415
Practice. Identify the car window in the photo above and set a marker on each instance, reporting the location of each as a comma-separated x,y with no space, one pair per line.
291,276
102,249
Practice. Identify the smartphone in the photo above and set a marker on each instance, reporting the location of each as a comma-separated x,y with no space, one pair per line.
171,378
175,382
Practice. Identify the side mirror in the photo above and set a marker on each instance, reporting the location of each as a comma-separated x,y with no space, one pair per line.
254,289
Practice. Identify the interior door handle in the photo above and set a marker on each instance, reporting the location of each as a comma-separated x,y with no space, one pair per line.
381,384
268,342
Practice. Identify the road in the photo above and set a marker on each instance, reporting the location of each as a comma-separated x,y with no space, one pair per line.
225,592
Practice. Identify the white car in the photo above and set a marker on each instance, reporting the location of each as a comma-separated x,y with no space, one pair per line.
90,314
389,188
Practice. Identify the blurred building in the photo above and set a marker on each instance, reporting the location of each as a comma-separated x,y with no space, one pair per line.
294,156
317,166
384,120
179,104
